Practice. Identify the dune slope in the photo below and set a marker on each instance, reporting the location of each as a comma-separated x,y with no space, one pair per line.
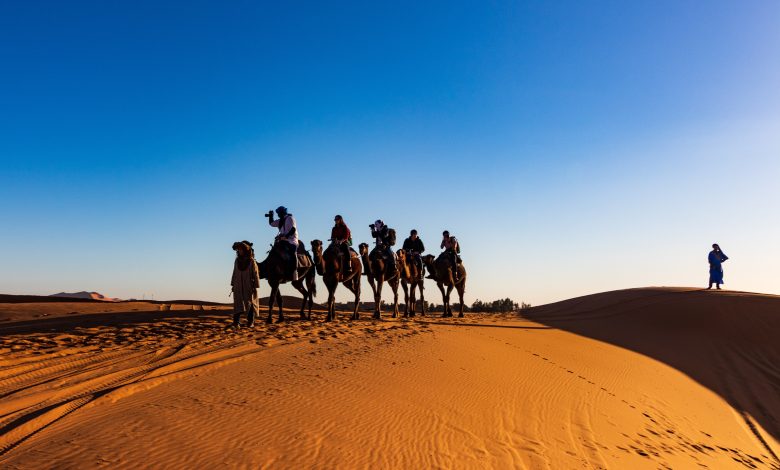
727,341
484,392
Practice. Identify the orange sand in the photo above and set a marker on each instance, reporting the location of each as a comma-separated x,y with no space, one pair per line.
644,378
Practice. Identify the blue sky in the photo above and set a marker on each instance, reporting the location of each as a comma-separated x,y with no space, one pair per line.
573,147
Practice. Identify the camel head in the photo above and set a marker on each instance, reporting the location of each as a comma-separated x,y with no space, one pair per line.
363,249
428,260
316,247
401,254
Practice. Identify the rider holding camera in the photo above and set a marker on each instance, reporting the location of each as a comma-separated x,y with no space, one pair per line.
287,238
381,233
451,249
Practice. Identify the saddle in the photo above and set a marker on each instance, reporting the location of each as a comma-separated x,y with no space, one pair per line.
381,253
445,258
304,260
302,257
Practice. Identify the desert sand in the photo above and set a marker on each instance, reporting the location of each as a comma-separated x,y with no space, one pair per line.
642,378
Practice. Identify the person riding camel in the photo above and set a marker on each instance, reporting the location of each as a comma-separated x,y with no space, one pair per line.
414,245
381,233
286,239
342,237
452,249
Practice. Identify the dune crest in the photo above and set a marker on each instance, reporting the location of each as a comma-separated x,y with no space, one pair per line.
85,295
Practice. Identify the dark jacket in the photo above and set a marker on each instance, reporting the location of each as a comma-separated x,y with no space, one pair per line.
383,235
414,245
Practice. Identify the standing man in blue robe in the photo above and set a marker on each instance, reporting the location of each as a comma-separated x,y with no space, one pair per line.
716,259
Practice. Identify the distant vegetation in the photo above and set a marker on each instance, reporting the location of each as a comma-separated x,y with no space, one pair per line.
496,306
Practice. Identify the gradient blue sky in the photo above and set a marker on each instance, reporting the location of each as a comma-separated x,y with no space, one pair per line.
573,147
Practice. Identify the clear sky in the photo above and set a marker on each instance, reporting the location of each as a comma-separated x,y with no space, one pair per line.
573,147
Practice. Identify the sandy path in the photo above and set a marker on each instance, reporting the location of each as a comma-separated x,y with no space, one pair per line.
487,392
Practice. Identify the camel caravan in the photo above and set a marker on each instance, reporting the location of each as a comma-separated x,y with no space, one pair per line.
339,263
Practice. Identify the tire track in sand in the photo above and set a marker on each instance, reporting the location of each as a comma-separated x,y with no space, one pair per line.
45,377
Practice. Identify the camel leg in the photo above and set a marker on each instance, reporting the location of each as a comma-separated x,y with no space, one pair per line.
449,305
312,289
271,300
443,298
279,302
422,299
331,285
378,298
405,287
373,288
413,299
394,285
355,288
461,289
299,287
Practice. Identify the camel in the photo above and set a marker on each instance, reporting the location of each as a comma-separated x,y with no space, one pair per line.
411,276
441,271
273,269
329,266
378,273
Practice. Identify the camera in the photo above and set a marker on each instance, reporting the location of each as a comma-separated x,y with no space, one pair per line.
270,214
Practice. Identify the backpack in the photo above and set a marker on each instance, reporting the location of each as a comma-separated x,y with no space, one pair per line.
391,236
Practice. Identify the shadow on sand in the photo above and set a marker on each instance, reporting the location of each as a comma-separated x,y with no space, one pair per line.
70,323
485,325
726,341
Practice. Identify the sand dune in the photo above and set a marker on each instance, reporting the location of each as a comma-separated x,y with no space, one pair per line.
85,295
646,378
727,341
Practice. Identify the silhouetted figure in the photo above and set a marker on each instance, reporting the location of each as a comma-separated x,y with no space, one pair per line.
716,259
244,284
451,248
414,247
385,239
341,236
287,239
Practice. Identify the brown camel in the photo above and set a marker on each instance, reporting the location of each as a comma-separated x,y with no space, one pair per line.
273,268
441,270
378,272
329,266
411,277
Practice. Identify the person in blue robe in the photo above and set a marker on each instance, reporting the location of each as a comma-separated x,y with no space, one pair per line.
716,259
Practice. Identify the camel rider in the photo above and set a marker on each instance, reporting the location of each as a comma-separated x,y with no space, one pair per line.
287,238
414,246
342,237
452,249
381,233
